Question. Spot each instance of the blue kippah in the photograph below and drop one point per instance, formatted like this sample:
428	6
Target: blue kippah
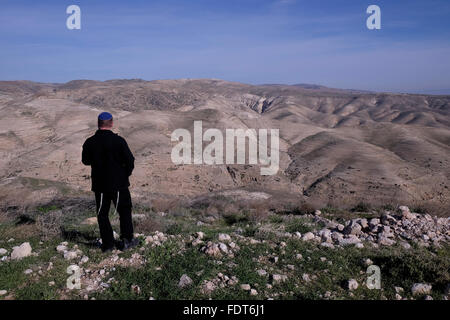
105	116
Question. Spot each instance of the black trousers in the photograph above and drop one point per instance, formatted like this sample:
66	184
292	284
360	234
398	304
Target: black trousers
122	202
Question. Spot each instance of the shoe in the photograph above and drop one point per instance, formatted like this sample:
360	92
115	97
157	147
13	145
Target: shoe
128	244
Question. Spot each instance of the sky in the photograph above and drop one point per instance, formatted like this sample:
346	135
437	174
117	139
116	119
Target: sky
322	42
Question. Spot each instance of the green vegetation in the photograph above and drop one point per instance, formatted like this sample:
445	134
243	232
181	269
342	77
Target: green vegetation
312	271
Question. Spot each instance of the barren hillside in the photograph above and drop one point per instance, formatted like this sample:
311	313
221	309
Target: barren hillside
338	147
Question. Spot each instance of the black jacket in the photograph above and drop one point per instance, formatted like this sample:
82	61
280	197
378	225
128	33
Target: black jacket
110	159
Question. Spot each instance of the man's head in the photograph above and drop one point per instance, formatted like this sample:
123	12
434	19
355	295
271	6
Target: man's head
105	121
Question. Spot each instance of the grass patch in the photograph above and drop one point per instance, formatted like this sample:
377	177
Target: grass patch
298	225
45	209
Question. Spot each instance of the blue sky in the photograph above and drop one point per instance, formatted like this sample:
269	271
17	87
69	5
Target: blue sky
253	41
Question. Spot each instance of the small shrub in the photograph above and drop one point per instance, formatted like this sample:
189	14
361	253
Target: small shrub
419	209
250	231
301	208
45	209
276	219
212	211
49	224
175	229
163	205
388	207
148	225
233	218
24	219
361	207
298	225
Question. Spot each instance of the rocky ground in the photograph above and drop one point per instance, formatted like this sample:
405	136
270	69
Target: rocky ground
190	255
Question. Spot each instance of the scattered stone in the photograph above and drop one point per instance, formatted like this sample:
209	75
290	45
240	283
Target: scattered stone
90	221
22	251
352	228
208	287
406	214
277	278
325	235
398	289
261	272
374	222
211	249
51	283
327	245
70	255
28	271
3	252
3	292
224	237
421	288
136	289
368	262
245	287
185	281
308	236
382	240
223	247
196	242
351	240
61	248
200	235
253	292
352	284
405	245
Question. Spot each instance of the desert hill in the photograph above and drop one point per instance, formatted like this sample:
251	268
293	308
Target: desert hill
338	147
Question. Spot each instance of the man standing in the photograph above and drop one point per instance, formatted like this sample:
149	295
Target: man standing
111	164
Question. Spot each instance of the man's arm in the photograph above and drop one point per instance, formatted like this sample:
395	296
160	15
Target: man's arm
128	158
85	155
